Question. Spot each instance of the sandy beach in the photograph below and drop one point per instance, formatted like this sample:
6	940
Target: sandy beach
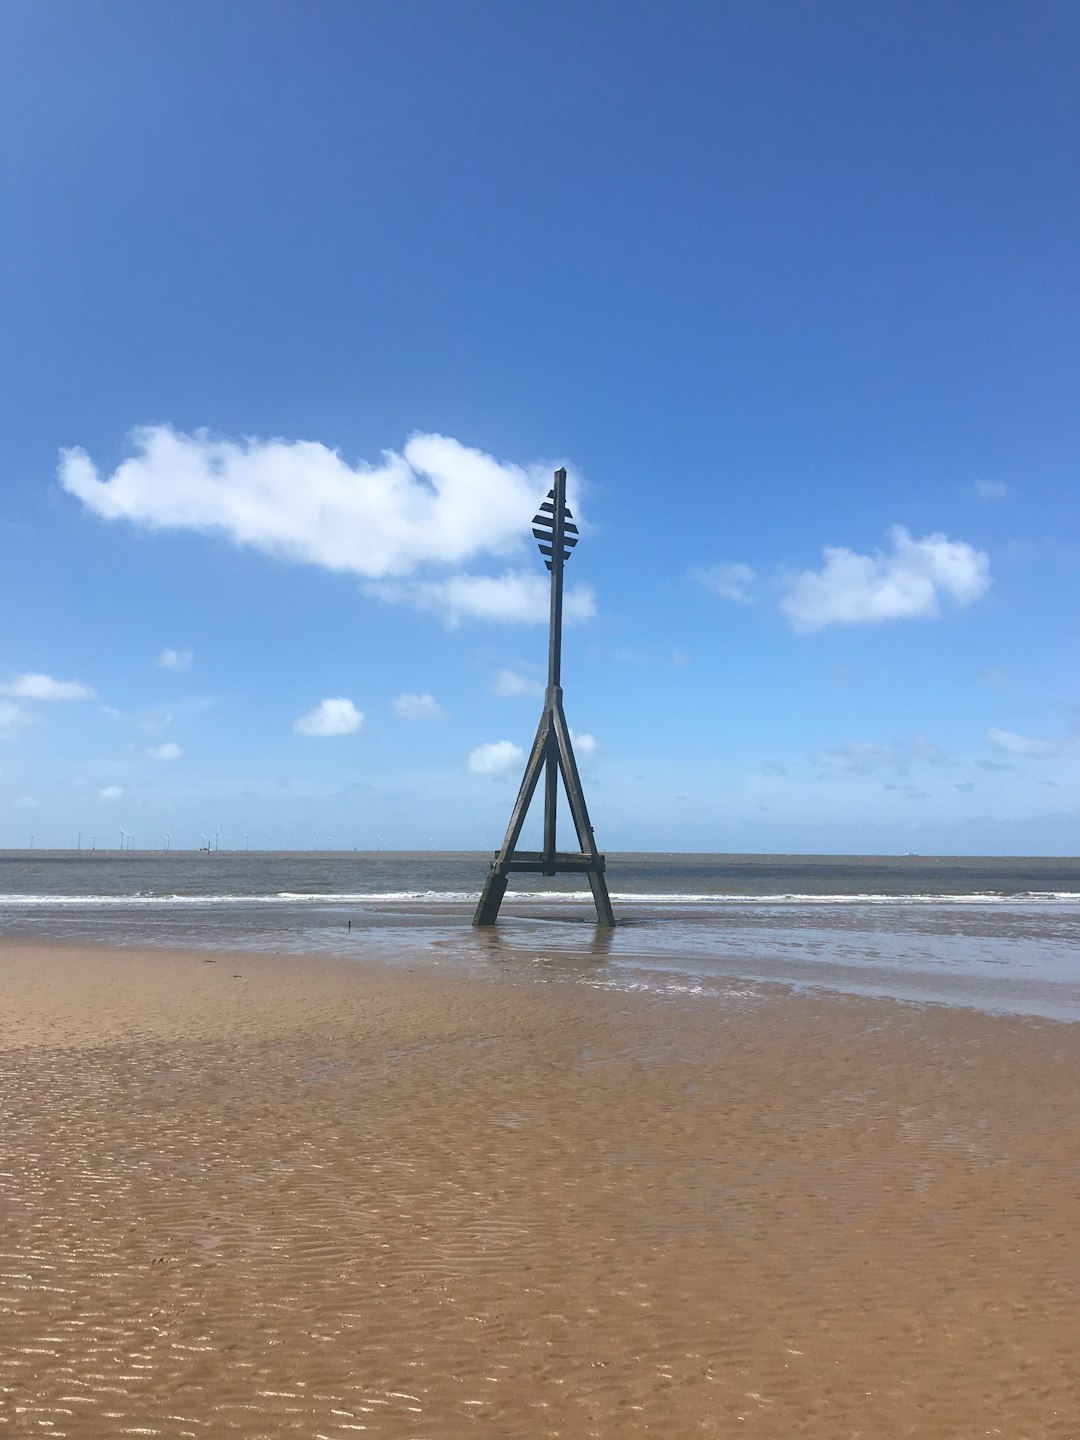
259	1196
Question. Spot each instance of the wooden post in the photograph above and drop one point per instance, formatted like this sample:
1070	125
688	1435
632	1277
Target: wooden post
552	751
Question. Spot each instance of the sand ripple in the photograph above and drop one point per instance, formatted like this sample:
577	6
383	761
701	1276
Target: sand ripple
543	1215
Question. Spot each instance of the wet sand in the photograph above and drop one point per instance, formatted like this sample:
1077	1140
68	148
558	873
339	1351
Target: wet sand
260	1197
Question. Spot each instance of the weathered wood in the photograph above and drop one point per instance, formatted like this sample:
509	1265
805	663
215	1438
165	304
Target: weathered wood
555	565
551	801
568	863
491	897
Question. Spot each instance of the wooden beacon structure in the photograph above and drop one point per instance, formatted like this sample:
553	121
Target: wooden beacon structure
552	753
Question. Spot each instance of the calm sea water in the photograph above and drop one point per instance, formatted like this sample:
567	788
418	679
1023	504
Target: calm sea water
1000	934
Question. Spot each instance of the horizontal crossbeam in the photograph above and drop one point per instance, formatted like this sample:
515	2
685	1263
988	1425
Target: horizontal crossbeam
562	862
545	525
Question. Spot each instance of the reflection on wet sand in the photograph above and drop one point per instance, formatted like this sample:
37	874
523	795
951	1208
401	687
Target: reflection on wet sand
1005	957
564	953
256	1197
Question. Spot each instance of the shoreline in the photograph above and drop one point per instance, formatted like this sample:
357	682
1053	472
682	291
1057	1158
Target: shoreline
269	1196
999	960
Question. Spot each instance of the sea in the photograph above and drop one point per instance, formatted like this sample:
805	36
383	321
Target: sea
998	934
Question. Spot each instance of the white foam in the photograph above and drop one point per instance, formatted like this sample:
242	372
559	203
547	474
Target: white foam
545	897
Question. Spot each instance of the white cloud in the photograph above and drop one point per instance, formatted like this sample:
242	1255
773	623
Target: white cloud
26	802
176	659
990	489
331	717
585	746
730	582
168	751
496	758
908	582
991	676
32	686
12	718
111	792
437	502
510	683
513	598
418	707
1008	742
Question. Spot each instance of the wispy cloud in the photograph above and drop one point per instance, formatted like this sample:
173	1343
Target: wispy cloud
495	758
990	489
516	597
335	716
175	659
12	719
168	751
156	718
418	707
33	686
729	581
511	683
906	582
1009	743
859	757
111	792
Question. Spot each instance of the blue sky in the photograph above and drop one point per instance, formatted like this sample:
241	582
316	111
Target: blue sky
302	304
